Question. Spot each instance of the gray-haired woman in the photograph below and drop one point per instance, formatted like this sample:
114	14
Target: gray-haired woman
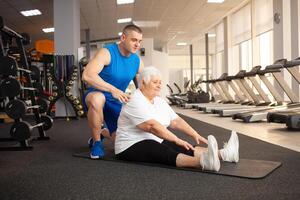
142	134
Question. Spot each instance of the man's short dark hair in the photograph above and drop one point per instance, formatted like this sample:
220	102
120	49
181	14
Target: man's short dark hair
131	27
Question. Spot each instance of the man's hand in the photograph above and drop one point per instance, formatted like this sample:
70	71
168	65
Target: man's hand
120	95
199	139
184	144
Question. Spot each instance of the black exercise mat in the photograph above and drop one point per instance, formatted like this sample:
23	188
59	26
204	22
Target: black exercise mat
245	168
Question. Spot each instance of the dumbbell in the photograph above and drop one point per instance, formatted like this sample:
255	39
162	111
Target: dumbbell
17	108
68	87
72	97
73	78
79	107
80	113
76	101
11	87
21	131
50	98
9	67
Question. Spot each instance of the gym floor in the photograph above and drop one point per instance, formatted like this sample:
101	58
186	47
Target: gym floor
50	171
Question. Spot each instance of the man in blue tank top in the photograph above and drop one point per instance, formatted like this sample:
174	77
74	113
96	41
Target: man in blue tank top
108	74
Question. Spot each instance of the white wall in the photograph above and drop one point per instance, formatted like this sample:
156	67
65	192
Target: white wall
177	64
148	45
160	61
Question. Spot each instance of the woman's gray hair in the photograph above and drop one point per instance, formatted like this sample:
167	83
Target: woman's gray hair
146	74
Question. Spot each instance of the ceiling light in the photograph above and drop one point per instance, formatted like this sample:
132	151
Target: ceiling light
48	30
120	33
124	20
147	23
28	13
181	44
215	1
211	35
119	2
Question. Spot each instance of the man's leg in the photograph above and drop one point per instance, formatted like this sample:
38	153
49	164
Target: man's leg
95	102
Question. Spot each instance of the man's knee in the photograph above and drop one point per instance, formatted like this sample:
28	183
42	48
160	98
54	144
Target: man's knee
95	101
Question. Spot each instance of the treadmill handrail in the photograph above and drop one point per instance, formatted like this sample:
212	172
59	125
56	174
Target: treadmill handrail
268	70
253	72
292	63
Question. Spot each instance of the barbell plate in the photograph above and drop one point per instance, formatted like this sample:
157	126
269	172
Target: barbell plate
47	122
15	109
35	73
43	103
8	66
10	87
20	131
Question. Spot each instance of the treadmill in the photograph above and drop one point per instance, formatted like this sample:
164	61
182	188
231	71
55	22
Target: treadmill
289	117
259	104
248	102
262	114
251	75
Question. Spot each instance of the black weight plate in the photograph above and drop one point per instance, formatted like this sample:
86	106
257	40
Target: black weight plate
8	66
20	131
35	73
43	103
48	121
15	109
10	87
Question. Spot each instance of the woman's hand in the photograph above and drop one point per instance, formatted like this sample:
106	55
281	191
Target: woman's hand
199	139
120	95
184	144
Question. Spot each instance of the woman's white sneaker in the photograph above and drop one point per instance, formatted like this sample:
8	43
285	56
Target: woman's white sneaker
230	152
210	159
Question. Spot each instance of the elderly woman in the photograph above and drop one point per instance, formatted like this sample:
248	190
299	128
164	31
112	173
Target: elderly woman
142	134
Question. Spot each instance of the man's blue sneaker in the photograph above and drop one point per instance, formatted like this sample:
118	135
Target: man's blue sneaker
97	150
91	141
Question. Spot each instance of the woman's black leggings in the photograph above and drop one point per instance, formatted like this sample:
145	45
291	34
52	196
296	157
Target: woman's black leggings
152	151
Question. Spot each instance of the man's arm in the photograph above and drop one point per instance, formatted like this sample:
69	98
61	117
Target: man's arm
94	67
154	127
91	75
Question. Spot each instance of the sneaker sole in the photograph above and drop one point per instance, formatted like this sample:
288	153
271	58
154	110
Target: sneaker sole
213	149
94	157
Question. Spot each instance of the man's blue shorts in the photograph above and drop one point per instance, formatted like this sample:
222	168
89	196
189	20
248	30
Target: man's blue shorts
111	110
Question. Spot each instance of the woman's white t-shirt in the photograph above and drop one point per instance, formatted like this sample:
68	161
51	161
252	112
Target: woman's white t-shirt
138	110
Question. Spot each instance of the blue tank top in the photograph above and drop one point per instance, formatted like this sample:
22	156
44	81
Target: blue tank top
120	71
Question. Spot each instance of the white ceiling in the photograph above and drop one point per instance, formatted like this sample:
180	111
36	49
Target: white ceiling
180	20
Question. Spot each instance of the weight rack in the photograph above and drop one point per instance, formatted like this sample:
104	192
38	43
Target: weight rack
62	83
21	40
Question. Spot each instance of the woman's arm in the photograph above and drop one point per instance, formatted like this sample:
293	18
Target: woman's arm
154	127
181	125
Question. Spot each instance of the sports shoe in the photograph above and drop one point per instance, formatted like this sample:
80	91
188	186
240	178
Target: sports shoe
230	151
210	159
97	150
91	141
